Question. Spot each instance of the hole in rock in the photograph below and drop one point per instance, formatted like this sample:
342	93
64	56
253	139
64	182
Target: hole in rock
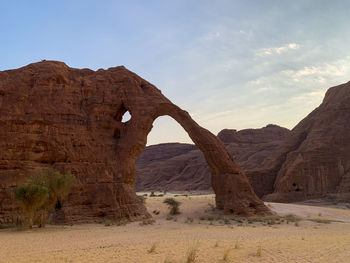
126	117
231	211
58	205
122	115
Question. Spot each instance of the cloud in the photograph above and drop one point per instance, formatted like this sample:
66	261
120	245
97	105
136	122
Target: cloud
277	50
308	77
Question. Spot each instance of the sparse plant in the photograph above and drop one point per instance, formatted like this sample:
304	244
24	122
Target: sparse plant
211	207
292	218
189	220
152	248
237	245
30	199
322	221
226	254
108	222
146	222
156	212
259	251
191	254
173	206
142	199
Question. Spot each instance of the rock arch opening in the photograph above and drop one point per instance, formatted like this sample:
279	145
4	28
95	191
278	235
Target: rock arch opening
171	161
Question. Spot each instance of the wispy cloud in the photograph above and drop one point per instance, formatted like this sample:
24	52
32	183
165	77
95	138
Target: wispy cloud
277	50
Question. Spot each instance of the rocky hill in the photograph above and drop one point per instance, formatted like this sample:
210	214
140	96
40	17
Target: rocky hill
176	166
314	160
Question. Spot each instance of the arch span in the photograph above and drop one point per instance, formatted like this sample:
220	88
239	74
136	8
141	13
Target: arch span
233	191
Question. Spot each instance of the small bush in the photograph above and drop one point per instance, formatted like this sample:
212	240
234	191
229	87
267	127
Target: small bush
322	221
189	220
149	221
39	196
30	199
173	206
292	218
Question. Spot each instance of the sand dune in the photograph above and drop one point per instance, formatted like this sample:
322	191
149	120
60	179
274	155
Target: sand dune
308	241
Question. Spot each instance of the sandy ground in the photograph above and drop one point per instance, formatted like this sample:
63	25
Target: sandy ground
306	241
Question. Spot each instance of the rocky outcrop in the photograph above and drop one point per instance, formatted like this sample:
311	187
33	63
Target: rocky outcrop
314	160
176	166
71	119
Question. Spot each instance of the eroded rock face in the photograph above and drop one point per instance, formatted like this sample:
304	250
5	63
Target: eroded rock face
314	160
175	166
71	119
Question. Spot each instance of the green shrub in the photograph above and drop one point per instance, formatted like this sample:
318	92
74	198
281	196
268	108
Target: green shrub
31	198
38	197
173	206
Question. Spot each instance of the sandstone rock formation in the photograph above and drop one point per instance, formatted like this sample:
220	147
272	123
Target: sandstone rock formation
314	160
71	119
175	166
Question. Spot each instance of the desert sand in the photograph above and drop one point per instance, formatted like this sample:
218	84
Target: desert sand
325	240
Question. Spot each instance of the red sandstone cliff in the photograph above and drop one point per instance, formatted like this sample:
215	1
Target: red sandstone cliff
70	119
314	160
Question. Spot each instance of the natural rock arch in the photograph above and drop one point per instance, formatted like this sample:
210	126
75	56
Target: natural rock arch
79	127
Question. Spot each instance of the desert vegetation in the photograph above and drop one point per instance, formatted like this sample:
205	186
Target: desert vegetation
199	235
174	206
39	196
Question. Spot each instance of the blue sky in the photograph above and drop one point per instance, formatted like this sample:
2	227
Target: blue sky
231	64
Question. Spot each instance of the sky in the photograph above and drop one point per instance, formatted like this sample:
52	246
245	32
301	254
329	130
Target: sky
229	63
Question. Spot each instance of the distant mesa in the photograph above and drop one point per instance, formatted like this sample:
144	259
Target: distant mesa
182	167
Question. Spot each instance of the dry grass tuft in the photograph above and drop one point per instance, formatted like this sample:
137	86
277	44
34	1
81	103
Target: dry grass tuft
191	254
259	252
226	255
153	248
